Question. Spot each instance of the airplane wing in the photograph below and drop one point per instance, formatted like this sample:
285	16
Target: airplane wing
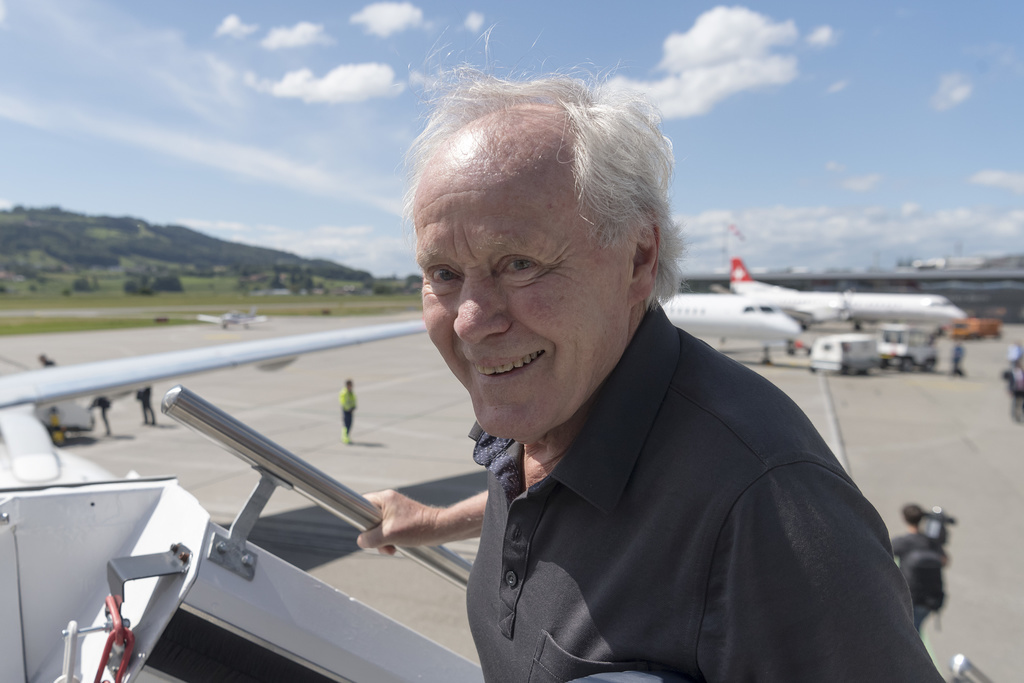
215	319
27	455
123	374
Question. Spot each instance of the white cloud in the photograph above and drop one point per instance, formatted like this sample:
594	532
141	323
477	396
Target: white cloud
345	83
910	209
136	65
6	204
724	35
954	89
233	26
302	34
835	167
823	36
1014	182
474	22
3	11
727	51
829	237
838	86
862	183
385	18
242	160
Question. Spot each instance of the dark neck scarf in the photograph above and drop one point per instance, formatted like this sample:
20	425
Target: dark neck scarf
501	459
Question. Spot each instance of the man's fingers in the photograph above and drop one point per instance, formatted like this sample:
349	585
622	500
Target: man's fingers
371	538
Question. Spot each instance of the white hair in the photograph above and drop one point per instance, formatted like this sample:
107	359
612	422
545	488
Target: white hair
621	162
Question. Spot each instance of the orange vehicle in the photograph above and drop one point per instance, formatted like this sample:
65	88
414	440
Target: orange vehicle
977	328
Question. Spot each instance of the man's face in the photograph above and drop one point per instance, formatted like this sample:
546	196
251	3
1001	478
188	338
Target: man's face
527	310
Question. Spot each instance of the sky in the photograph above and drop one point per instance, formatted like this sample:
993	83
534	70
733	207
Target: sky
830	135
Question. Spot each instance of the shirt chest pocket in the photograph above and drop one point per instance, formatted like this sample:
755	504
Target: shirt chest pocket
552	664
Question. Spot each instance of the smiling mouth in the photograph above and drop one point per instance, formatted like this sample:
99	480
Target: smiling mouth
508	367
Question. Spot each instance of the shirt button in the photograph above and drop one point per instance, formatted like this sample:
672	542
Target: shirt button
511	579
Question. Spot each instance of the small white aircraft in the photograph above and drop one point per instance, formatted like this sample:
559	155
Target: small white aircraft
817	307
234	318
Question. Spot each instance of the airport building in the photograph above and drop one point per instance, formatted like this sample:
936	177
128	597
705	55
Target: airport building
985	288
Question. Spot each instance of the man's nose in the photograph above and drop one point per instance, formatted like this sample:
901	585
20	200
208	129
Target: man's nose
482	311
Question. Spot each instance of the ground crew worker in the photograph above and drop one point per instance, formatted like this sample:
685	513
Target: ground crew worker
347	399
56	428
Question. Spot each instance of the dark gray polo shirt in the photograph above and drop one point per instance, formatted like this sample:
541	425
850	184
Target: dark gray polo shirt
697	524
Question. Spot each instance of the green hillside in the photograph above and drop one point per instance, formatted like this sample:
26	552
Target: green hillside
54	239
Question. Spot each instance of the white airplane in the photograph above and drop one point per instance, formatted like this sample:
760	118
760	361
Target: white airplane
817	307
128	580
234	318
730	316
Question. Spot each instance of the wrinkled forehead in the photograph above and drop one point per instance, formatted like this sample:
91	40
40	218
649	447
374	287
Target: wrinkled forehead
523	148
506	141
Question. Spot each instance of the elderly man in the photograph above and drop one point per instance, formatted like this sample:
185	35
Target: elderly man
652	505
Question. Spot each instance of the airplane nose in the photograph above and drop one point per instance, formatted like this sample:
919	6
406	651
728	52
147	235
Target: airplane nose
789	327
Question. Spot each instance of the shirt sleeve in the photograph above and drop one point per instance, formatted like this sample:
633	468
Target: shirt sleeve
803	587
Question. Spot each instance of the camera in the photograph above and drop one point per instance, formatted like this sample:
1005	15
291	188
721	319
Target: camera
934	525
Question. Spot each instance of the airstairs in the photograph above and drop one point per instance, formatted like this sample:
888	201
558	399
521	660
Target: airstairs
130	581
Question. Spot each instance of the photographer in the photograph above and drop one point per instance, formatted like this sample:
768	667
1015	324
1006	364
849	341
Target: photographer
921	558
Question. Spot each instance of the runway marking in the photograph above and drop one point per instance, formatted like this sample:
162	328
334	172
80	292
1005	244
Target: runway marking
361	389
838	447
950	385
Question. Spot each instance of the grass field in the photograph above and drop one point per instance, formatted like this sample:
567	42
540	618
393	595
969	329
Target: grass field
100	311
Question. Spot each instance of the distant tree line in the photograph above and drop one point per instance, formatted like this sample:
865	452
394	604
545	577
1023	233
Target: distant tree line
143	284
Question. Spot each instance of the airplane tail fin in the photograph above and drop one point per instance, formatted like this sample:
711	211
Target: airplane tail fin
739	272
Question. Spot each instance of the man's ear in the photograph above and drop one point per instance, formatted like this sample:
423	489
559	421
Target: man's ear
645	263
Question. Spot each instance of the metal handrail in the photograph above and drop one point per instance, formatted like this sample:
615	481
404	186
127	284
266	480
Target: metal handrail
964	671
193	411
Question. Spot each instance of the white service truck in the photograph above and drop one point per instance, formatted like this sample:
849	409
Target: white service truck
844	353
906	347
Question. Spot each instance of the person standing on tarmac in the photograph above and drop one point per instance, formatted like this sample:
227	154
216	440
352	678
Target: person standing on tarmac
103	403
921	560
347	399
1015	377
958	358
144	395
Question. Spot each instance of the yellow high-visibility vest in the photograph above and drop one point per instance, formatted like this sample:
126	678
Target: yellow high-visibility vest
347	399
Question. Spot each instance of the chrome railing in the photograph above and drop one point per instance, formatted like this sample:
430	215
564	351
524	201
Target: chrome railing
964	671
265	455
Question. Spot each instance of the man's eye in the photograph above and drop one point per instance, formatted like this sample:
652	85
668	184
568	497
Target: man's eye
442	275
521	264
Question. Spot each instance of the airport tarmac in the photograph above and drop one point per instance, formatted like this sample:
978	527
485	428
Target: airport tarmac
905	437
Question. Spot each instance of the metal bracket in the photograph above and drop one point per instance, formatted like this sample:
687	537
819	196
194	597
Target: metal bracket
230	551
120	570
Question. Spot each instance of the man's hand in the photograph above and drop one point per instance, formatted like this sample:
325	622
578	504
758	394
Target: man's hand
409	523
